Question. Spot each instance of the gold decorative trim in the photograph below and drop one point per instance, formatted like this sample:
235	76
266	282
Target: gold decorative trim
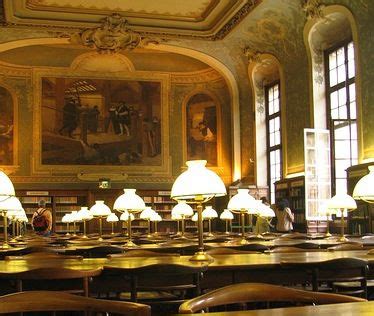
13	70
313	9
201	76
253	56
56	170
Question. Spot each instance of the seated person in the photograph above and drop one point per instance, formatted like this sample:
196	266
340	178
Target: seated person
42	220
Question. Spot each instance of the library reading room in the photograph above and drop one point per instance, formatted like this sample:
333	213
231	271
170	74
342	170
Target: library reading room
170	157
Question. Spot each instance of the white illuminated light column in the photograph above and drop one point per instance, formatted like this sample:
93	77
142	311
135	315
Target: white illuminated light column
100	210
227	216
343	203
183	210
209	213
197	185
242	203
129	202
112	218
6	192
124	218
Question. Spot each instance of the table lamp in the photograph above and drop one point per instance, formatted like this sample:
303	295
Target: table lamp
209	213
9	204
12	215
155	219
147	214
264	213
242	203
124	218
325	211
341	202
227	216
85	215
175	216
183	210
112	218
21	219
75	219
100	210
132	203
6	191
198	185
364	189
67	219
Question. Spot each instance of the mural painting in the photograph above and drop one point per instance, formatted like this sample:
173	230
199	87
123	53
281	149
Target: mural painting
100	122
202	129
6	127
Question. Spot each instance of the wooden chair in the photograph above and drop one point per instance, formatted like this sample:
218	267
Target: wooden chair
347	246
163	286
51	301
46	278
43	256
341	275
259	292
142	253
228	251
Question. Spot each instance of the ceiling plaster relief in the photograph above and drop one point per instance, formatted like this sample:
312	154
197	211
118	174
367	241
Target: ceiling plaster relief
313	9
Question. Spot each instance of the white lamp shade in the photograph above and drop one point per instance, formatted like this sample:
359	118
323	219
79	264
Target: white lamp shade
209	213
75	216
85	214
175	216
112	218
194	217
20	214
100	209
364	189
67	218
23	218
243	201
156	217
226	215
125	216
129	201
197	181
147	213
183	209
6	186
264	210
10	204
341	201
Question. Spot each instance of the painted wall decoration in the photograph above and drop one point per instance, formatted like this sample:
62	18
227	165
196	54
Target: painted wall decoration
6	128
202	129
91	121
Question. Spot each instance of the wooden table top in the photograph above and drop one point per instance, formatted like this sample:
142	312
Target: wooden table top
221	262
343	309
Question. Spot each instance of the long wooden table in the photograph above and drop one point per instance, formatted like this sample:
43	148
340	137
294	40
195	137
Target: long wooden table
344	309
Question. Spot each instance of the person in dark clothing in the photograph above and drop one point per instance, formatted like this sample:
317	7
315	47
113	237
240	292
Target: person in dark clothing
70	118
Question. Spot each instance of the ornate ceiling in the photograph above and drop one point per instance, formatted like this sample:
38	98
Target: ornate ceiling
210	19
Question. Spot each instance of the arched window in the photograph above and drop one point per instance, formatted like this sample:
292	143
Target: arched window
332	51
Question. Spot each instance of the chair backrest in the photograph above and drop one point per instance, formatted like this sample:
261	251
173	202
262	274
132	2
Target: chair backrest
102	251
43	256
228	251
260	292
52	301
251	247
306	245
51	273
287	249
142	253
347	246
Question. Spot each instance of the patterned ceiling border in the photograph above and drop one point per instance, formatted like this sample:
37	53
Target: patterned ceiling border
220	34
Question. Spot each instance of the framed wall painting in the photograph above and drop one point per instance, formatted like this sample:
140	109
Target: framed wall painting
101	123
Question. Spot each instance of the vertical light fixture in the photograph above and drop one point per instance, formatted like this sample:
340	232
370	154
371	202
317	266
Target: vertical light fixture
209	213
147	214
129	202
125	216
8	205
344	203
85	215
67	219
227	216
6	192
100	210
198	185
183	210
242	203
112	218
155	219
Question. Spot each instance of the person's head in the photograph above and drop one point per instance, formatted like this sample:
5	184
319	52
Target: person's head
264	200
282	204
41	203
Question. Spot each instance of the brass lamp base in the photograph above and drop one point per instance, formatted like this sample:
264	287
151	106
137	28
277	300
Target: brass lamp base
130	243
328	235
201	256
5	246
243	241
343	238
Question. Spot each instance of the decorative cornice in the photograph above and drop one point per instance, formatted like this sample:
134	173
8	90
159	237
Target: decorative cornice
206	75
313	9
253	56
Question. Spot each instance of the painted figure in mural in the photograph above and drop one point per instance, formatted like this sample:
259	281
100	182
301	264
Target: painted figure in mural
149	137
123	116
70	118
93	119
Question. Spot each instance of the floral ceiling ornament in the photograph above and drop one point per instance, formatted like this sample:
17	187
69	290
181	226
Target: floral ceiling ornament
313	9
112	36
252	55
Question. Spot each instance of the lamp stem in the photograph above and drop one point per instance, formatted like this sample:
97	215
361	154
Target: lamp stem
210	227
100	229
129	243
149	227
112	228
242	217
227	226
342	237
183	227
74	229
84	229
67	229
328	234
5	243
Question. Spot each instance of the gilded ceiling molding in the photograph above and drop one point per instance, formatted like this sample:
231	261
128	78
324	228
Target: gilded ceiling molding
313	9
253	56
206	75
